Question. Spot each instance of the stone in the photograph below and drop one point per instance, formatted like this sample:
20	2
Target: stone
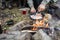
13	32
41	35
23	36
3	36
37	36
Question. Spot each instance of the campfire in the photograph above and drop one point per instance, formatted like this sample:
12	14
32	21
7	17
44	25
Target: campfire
41	23
37	24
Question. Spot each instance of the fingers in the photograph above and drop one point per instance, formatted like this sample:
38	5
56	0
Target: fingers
33	10
41	7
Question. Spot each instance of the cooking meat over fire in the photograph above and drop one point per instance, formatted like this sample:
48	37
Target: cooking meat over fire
41	22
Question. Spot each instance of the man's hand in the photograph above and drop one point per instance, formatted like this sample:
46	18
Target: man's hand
41	7
33	9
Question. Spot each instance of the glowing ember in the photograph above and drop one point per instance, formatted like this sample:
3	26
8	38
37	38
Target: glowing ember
34	28
41	23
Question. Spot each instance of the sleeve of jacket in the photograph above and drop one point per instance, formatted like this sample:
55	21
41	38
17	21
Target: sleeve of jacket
30	3
45	2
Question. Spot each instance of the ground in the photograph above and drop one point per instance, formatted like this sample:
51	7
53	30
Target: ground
17	13
14	14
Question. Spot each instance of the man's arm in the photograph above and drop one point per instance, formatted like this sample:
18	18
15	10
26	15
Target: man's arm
42	7
45	2
30	2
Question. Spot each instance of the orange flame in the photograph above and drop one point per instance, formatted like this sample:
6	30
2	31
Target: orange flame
47	25
40	23
34	28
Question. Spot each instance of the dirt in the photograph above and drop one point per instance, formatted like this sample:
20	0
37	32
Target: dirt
14	14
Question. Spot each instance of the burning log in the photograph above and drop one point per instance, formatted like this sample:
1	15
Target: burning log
40	23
